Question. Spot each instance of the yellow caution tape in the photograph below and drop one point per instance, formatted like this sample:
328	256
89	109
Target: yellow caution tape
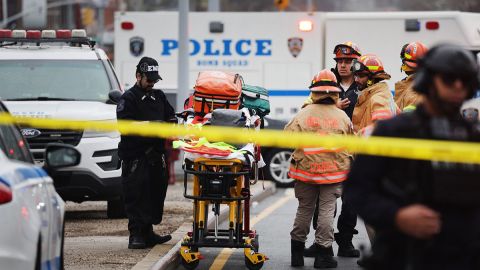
381	146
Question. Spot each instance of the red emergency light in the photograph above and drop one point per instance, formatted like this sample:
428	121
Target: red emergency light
34	34
64	33
5	33
127	25
432	25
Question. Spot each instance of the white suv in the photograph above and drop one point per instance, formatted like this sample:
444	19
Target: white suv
60	74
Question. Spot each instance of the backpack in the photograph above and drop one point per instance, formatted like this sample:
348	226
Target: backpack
216	89
256	98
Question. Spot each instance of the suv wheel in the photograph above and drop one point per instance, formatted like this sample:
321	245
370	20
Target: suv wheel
116	208
278	164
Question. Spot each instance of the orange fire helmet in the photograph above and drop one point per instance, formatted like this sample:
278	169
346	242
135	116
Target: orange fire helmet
371	65
347	50
324	81
410	54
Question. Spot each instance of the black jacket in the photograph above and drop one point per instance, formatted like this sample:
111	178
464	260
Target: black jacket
351	93
136	104
378	186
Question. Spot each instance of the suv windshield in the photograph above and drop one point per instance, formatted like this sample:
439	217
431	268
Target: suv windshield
54	79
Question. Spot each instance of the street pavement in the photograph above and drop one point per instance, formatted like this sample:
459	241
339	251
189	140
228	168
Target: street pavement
273	219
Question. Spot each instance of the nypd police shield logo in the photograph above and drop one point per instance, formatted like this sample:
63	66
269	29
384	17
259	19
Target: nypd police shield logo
295	45
136	46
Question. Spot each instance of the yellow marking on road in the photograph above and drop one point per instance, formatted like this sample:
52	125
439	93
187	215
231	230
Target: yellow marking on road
225	254
221	259
267	211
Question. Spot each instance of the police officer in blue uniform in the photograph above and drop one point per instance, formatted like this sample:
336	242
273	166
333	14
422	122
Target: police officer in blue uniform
144	168
426	214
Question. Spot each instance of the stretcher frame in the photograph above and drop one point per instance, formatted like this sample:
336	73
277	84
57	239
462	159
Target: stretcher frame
231	179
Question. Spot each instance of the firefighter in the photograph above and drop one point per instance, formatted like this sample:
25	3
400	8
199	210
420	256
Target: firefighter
319	171
426	214
344	53
405	97
375	102
144	167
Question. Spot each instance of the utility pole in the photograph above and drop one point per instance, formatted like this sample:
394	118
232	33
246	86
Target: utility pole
310	6
70	17
214	5
183	76
101	25
5	12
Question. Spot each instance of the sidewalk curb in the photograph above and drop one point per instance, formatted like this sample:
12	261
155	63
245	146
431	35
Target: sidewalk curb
172	258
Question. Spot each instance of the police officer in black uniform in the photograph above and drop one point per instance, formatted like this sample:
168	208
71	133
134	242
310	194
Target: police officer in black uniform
426	214
144	168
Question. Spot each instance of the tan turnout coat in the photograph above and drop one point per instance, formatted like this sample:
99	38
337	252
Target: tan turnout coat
404	93
319	165
374	103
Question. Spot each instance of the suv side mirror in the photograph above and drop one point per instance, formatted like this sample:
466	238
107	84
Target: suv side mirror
60	155
114	96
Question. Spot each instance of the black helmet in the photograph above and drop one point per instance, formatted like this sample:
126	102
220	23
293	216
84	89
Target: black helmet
447	60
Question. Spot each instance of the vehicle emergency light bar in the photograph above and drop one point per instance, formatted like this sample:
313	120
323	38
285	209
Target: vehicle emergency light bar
74	37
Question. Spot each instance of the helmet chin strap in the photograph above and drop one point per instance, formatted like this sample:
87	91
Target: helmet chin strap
370	80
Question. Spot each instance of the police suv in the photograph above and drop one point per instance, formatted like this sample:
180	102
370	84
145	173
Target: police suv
60	74
31	231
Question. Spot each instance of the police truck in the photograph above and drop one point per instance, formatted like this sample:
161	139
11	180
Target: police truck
280	51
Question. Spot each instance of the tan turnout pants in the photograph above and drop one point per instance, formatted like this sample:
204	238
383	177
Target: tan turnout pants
307	195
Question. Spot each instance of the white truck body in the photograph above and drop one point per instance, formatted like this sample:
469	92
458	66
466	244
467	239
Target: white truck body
256	45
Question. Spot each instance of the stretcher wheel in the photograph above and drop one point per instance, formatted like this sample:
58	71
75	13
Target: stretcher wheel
192	265
252	266
255	245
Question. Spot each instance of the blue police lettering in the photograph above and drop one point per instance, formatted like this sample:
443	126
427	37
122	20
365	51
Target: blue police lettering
225	47
207	63
208	48
168	45
196	47
235	63
239	47
262	48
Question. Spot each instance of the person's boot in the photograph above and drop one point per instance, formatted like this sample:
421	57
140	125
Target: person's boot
152	239
297	248
155	239
310	251
136	241
345	246
324	258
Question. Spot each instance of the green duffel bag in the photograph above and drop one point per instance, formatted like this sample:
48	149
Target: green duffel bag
256	98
